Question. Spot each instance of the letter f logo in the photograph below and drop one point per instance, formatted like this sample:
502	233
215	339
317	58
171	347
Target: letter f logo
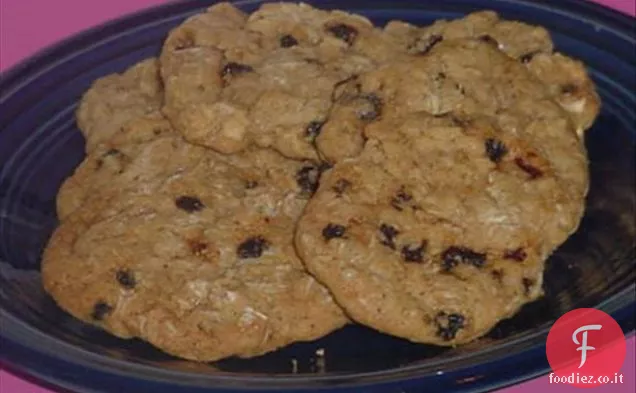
584	348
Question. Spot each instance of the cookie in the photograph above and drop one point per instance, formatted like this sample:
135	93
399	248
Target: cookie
114	101
440	227
234	80
198	259
566	78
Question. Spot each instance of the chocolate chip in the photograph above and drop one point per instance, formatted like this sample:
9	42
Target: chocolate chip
414	253
527	58
495	149
372	108
308	179
344	32
232	69
449	324
527	285
287	41
251	184
532	171
518	254
189	203
388	235
489	40
332	231
341	186
400	199
252	247
313	129
440	76
100	310
430	43
126	278
569	88
454	255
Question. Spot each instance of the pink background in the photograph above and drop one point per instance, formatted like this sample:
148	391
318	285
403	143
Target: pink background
56	19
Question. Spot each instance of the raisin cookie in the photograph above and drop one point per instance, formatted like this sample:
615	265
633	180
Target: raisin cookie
118	101
234	80
199	261
440	227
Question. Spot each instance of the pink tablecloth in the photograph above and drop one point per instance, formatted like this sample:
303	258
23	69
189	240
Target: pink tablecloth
28	25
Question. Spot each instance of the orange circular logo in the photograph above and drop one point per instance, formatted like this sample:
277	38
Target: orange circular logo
586	348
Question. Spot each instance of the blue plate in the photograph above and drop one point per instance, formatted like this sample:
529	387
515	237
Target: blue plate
40	146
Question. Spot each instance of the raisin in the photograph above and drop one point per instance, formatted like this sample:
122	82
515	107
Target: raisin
252	247
189	203
313	129
100	310
532	171
251	184
372	108
414	254
495	149
332	231
344	32
453	256
308	178
497	275
198	248
449	324
400	198
287	41
233	69
489	40
432	41
388	235
569	88
126	278
527	58
518	254
527	285
111	152
341	186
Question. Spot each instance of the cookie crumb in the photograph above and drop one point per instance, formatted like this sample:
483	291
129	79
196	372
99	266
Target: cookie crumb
294	363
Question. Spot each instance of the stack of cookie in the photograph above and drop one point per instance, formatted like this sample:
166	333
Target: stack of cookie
272	177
